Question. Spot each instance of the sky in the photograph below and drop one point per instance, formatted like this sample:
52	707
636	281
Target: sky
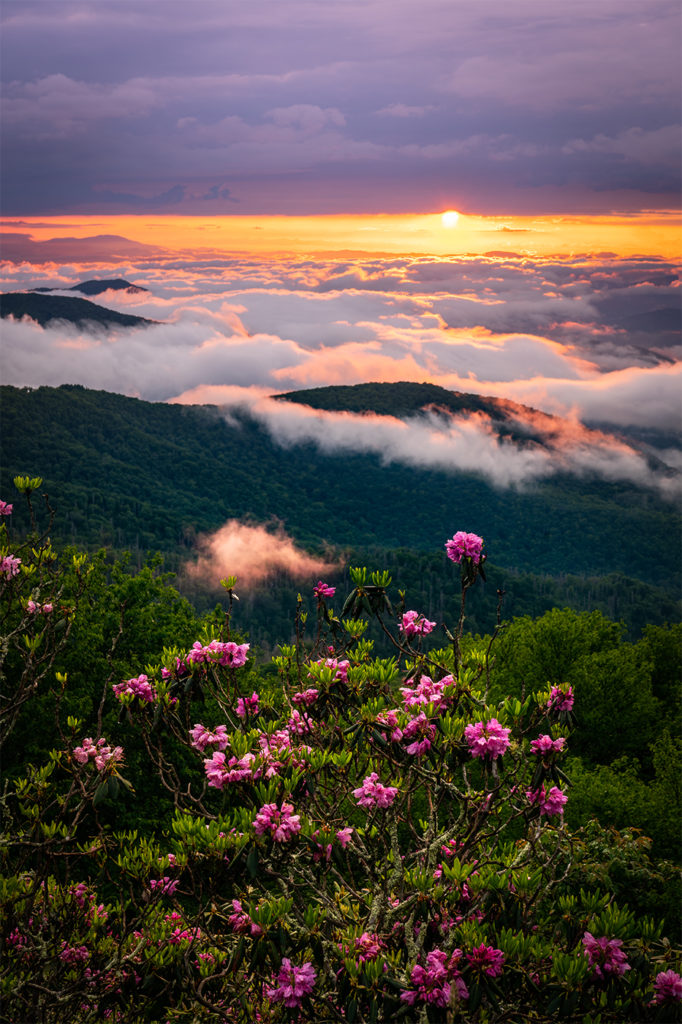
276	175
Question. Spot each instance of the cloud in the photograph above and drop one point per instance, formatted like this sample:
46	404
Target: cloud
253	554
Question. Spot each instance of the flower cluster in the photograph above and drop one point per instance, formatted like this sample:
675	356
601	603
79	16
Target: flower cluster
202	737
668	987
163	886
9	566
427	691
39	609
421	732
413	623
487	739
340	667
240	922
6	509
431	984
560	698
605	956
74	955
323	590
248	706
373	793
281	823
225	653
136	687
220	771
306	697
464	545
486	960
99	752
545	745
293	984
550	802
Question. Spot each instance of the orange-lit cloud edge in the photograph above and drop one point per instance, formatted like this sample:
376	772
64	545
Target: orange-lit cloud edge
644	233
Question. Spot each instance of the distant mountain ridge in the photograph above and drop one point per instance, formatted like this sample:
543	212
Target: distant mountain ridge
95	286
47	308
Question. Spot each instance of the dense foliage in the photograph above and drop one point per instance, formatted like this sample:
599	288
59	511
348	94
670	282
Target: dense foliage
332	836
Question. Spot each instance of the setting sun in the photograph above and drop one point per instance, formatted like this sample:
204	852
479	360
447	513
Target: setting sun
450	218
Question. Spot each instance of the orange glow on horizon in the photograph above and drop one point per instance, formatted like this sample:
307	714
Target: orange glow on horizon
648	233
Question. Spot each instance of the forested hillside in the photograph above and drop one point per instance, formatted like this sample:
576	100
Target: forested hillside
128	474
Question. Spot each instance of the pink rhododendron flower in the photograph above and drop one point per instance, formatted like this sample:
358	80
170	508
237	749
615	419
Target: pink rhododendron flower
9	566
421	732
281	823
550	802
136	687
227	654
74	955
298	724
546	745
241	922
432	983
668	987
606	958
486	960
219	771
5	509
202	737
560	698
324	590
305	698
373	793
464	545
100	753
294	984
165	886
487	739
427	692
343	836
413	623
340	667
368	946
248	706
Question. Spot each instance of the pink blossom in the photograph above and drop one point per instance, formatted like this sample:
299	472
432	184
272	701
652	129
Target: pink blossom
136	687
227	654
298	724
5	509
100	753
74	955
47	608
487	739
421	732
550	803
165	886
202	737
343	836
281	823
427	692
294	984
668	987
219	772
241	922
323	590
306	697
369	946
9	566
248	706
432	983
560	698
373	793
606	958
546	745
486	960
414	623
464	545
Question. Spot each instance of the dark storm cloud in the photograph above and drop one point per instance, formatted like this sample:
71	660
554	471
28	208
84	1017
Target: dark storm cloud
356	106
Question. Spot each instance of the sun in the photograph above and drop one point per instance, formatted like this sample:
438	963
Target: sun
450	218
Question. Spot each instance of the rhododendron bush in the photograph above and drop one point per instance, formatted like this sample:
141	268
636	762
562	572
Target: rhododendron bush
355	839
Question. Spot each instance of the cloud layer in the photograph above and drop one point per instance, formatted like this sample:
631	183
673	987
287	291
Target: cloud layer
506	106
